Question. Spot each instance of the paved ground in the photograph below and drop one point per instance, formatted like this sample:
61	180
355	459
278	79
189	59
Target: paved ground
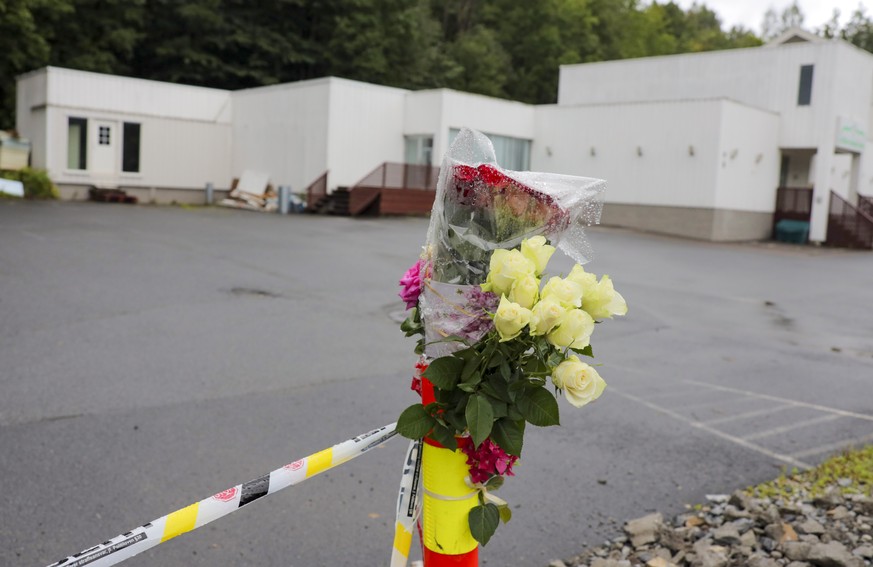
150	357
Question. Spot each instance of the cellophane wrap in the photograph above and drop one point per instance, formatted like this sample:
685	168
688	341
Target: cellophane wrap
480	207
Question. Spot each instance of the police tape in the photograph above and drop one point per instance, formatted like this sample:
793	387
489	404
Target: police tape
408	505
201	513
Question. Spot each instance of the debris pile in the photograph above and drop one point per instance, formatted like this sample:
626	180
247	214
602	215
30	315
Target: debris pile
253	192
796	529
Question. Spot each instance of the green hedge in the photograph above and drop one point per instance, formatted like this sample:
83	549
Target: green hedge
37	184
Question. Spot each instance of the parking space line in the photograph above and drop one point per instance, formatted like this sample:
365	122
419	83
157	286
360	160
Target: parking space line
748	414
795	403
833	446
793	426
792	460
713	403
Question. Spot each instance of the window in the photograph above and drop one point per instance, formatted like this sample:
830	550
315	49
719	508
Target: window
418	149
804	93
77	143
512	153
130	147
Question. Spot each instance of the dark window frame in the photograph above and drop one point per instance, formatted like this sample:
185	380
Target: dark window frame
804	89
131	139
83	139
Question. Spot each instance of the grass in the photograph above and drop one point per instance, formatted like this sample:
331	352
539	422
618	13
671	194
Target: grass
850	471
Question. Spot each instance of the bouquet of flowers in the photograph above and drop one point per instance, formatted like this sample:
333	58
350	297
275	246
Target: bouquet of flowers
495	329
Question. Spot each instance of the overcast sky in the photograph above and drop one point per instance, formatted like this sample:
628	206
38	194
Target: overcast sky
750	13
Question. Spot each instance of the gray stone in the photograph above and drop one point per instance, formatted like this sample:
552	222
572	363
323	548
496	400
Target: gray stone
839	513
557	563
811	527
710	556
797	550
740	500
726	535
759	560
644	530
798	564
833	554
601	562
749	539
865	551
831	497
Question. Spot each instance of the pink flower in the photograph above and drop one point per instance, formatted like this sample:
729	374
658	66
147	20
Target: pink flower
411	282
487	460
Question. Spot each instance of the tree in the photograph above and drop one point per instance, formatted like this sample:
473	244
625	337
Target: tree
22	47
859	30
775	24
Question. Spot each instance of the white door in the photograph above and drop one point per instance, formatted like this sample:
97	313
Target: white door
104	147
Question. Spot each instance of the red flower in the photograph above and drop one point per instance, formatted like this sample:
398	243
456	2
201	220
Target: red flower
492	176
465	173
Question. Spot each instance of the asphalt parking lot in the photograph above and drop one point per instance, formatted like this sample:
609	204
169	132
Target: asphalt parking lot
152	356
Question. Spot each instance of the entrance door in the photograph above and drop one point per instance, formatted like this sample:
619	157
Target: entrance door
104	147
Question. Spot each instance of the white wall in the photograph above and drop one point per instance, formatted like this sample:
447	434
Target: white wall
30	113
865	177
748	158
665	174
177	154
764	77
126	95
282	130
438	111
365	129
184	137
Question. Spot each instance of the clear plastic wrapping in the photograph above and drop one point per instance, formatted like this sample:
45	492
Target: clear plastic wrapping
479	208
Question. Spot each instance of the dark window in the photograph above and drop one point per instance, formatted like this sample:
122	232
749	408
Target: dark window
804	93
77	143
130	148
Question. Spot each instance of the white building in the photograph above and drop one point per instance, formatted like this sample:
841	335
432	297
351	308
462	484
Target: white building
692	144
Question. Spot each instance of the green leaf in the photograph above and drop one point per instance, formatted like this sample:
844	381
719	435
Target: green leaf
505	513
494	482
505	371
445	437
480	418
540	408
508	435
483	522
498	408
587	351
470	366
415	422
444	372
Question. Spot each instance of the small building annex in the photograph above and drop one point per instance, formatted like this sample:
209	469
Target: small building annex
708	145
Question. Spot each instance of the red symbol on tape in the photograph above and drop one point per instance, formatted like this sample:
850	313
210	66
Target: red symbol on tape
226	495
295	466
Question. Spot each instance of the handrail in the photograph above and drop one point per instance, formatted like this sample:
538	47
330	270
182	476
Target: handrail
865	205
390	175
316	190
855	227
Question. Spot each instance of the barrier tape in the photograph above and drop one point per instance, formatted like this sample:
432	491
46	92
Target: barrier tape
408	505
163	529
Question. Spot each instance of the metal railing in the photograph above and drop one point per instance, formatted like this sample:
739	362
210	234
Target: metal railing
316	191
848	227
401	176
865	205
793	203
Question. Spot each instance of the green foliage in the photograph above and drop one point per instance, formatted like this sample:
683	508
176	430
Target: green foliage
37	184
483	520
851	471
499	48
